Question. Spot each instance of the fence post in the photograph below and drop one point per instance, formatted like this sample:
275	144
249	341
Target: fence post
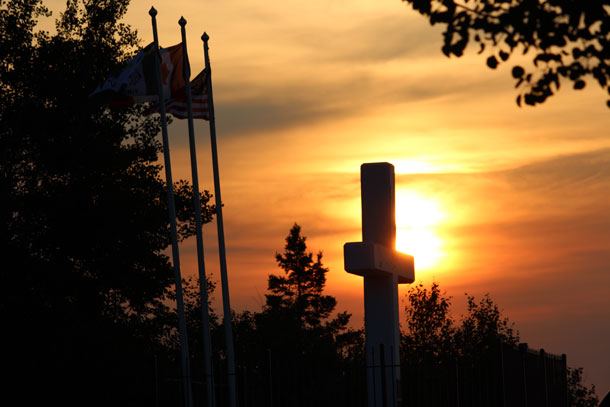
502	377
156	360
371	372
270	378
457	382
523	350
244	386
362	382
564	361
395	386
546	384
384	393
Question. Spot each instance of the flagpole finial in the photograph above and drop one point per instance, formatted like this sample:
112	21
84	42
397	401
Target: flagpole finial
182	22
205	37
152	12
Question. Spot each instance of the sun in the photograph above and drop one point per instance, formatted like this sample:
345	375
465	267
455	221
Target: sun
417	221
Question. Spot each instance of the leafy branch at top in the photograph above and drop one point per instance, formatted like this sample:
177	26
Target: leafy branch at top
568	40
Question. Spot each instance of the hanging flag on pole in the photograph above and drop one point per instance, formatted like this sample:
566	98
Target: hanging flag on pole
157	74
165	67
137	83
178	106
195	91
226	305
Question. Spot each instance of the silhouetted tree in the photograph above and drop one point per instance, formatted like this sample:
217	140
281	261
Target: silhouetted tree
192	310
564	39
483	327
296	338
296	305
84	210
300	289
430	330
432	337
579	394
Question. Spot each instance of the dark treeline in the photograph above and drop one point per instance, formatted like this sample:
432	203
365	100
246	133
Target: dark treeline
85	280
298	351
86	286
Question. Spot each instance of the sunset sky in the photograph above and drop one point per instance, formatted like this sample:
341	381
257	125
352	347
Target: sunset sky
491	198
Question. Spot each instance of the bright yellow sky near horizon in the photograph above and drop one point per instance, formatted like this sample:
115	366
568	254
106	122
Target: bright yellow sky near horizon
491	198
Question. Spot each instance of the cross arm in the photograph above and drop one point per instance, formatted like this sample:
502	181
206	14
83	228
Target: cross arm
371	259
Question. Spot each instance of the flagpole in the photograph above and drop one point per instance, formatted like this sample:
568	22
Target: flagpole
188	398
205	319
226	306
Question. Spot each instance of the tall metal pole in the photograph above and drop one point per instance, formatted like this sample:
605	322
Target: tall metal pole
186	371
205	319
226	306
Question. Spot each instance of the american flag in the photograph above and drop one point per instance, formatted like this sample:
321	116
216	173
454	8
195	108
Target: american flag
177	105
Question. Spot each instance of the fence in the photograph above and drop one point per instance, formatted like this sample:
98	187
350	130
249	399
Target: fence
503	377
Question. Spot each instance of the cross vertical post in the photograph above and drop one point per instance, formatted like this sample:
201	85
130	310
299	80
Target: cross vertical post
383	268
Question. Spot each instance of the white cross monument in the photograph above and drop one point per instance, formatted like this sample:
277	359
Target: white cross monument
383	268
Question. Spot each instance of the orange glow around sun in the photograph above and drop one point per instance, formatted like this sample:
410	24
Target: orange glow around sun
417	220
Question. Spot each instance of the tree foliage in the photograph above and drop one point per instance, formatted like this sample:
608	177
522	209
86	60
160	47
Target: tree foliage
295	337
579	394
483	327
565	40
84	206
193	316
297	311
432	333
300	289
430	330
433	336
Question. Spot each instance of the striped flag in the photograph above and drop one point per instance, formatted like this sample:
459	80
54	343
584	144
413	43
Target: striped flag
177	105
138	83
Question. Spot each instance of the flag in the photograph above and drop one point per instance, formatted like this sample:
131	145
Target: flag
138	82
177	105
